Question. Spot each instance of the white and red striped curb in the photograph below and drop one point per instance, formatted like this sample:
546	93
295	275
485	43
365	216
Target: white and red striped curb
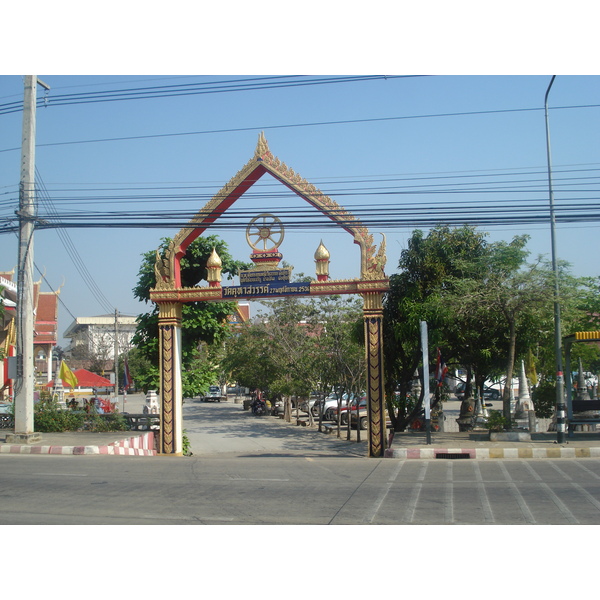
142	445
492	453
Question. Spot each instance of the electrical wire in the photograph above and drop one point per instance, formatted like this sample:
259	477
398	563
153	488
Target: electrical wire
295	125
209	87
72	252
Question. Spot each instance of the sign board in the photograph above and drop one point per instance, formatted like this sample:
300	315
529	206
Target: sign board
264	290
258	277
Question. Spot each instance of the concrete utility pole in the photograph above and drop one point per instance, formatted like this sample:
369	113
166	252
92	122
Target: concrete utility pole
117	357
426	399
25	383
560	381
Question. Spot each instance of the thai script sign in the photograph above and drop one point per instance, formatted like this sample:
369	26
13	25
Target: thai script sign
265	276
266	289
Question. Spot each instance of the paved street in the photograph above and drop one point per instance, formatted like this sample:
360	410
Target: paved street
296	490
249	470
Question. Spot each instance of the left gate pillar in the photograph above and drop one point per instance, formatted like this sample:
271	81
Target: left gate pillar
171	397
373	316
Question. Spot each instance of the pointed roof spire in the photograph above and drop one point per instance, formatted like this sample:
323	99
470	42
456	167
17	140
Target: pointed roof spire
262	147
214	260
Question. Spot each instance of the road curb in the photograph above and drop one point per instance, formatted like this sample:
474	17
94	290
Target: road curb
141	445
491	453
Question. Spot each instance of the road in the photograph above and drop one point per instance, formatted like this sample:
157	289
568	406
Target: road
252	470
99	490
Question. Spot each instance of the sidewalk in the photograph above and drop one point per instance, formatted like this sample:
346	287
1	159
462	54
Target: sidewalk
477	445
237	429
118	443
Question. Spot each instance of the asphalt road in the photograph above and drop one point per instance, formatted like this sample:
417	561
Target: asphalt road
109	490
249	470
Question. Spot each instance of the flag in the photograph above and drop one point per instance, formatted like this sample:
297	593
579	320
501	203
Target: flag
127	381
441	369
68	377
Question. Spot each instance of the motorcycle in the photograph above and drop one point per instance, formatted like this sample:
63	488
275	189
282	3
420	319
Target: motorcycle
258	407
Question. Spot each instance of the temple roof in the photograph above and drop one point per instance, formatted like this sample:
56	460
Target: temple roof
45	309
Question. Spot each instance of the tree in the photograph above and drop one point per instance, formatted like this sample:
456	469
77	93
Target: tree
202	322
510	294
339	360
275	354
299	346
428	267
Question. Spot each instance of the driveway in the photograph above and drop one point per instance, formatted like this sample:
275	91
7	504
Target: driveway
226	429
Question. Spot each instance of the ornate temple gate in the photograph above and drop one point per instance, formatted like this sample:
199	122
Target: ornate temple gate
170	295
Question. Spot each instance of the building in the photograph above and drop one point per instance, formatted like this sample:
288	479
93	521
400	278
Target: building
241	315
45	331
94	337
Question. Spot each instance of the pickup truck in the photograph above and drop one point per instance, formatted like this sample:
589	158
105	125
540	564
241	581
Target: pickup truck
214	395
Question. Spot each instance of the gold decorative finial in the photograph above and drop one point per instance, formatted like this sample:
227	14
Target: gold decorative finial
213	268
322	253
322	261
214	260
262	147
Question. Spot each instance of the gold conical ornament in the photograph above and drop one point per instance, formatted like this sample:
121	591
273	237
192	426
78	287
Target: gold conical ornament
213	267
322	261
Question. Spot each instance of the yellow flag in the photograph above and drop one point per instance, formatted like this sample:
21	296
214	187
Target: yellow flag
69	378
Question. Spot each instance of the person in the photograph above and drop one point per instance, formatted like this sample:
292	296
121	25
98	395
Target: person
257	406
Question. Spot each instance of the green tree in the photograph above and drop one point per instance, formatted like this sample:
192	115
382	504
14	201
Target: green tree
202	322
298	346
428	267
339	359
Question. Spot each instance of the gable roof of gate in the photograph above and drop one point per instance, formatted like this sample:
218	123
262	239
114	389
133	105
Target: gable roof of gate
263	161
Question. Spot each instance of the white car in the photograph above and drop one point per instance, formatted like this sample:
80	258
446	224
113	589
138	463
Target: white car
330	404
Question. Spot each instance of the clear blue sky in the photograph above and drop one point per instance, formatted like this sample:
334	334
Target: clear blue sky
348	161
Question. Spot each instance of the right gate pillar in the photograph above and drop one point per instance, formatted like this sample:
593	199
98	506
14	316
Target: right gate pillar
373	316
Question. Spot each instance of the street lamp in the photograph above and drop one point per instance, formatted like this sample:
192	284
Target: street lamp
560	391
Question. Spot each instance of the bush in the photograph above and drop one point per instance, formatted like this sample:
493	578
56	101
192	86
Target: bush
48	417
497	421
544	399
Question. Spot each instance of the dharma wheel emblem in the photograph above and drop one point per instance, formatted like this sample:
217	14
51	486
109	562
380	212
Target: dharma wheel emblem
262	229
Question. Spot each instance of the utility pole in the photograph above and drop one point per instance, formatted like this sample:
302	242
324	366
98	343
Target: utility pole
117	356
25	383
560	381
426	399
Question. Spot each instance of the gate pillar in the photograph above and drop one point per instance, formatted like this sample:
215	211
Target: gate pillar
171	397
373	316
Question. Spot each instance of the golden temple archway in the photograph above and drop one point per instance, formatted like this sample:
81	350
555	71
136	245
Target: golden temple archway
170	295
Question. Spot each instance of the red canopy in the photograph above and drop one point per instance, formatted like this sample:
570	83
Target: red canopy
87	379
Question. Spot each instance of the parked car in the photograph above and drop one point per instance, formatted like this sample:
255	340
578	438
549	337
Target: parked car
491	391
309	404
330	404
359	417
357	402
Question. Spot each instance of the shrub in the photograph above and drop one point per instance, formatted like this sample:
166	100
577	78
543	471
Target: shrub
544	399
497	421
48	417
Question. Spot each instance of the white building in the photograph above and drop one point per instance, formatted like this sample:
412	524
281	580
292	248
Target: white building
95	336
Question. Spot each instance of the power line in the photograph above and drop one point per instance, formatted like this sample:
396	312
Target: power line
72	252
189	89
295	125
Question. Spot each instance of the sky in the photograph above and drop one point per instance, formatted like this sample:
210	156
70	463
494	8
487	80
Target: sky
471	141
478	57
